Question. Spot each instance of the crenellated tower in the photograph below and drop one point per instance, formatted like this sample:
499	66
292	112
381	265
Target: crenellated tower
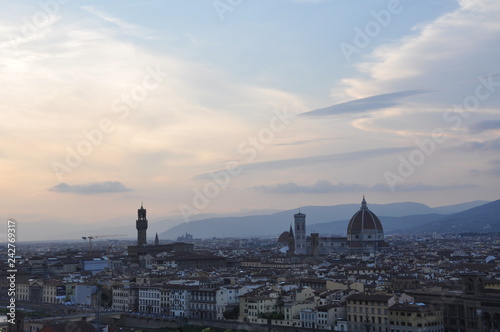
141	225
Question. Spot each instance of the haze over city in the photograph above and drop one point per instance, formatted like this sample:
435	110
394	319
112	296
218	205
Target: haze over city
208	107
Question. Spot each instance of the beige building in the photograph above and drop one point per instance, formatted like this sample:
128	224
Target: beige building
370	312
411	317
125	297
253	306
41	291
23	291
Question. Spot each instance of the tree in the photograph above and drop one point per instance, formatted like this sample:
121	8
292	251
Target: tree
231	313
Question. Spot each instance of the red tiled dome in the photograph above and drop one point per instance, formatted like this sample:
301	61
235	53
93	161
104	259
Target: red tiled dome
364	222
284	237
364	219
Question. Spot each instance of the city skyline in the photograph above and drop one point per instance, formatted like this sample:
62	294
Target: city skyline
229	107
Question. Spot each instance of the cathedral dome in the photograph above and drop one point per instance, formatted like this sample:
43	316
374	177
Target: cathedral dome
364	226
284	237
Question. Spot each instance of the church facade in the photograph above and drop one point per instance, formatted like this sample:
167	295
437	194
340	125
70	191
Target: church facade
365	235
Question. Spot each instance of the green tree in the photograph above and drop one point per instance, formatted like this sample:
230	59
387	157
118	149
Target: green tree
231	313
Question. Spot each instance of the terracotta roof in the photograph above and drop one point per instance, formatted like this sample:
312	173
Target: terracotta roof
364	219
411	307
284	237
370	297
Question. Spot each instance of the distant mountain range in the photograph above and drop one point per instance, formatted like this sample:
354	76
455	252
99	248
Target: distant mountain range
405	217
484	218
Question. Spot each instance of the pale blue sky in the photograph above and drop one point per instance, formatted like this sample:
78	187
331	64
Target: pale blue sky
206	82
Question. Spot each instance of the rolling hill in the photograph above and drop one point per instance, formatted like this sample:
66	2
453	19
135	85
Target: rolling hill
396	217
481	219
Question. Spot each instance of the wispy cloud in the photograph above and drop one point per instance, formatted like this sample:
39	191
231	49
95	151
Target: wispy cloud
91	188
125	27
493	169
324	187
405	64
493	144
314	160
308	141
368	104
484	126
320	187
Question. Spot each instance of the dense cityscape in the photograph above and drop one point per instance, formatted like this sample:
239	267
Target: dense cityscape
366	281
250	166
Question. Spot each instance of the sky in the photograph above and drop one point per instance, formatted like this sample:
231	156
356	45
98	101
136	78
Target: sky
233	106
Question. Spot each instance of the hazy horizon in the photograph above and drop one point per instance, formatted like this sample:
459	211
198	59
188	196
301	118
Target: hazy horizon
125	226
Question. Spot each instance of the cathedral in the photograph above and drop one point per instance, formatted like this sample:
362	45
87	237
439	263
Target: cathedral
365	235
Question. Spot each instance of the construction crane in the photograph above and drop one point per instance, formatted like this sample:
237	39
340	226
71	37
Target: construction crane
91	237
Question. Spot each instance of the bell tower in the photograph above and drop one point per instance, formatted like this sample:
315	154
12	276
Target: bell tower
300	233
142	225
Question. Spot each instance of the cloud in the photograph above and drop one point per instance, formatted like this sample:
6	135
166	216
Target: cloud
485	145
484	125
422	59
409	187
125	27
377	102
313	160
495	171
308	141
491	171
324	187
320	187
91	188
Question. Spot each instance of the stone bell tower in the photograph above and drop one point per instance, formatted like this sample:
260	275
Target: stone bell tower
141	225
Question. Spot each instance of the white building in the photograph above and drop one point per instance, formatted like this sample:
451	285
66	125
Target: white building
95	265
82	294
179	300
228	296
149	300
328	317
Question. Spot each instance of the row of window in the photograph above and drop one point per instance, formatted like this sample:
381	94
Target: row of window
403	323
367	310
425	314
362	318
436	330
365	302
